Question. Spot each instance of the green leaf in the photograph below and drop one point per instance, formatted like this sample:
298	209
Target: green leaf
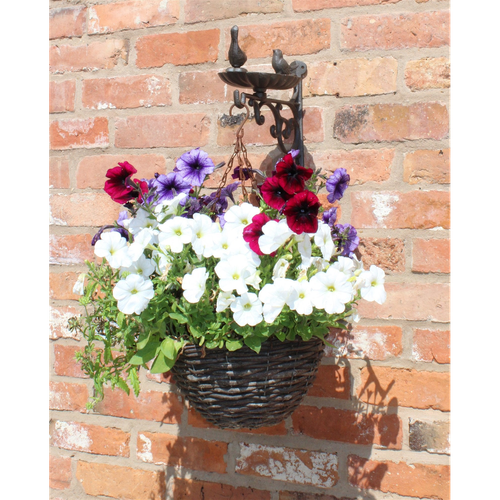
181	319
254	343
146	354
233	345
168	348
162	364
134	380
123	385
143	341
280	335
120	318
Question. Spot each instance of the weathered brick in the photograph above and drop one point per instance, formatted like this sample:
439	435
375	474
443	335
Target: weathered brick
307	5
62	96
431	256
125	483
299	495
170	131
396	31
59	472
58	322
196	11
362	165
203	87
396	210
59	172
291	465
122	92
157	406
95	439
189	489
386	253
432	437
352	77
61	285
348	426
332	381
132	15
67	22
412	302
91	170
307	36
428	73
391	122
70	249
192	47
66	396
79	133
407	479
65	363
91	57
431	345
427	167
381	385
190	452
83	209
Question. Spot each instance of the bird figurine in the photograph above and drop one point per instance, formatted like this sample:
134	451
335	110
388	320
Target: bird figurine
236	56
280	66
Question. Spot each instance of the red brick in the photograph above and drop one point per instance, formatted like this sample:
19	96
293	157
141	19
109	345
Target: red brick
203	87
199	10
122	92
332	381
59	472
431	345
180	49
157	406
79	133
190	452
362	165
307	36
396	31
65	363
428	73
380	385
78	436
313	468
411	302
407	479
59	172
188	489
67	22
352	77
386	253
69	249
431	256
91	170
91	57
427	167
132	15
62	96
432	437
348	426
125	483
155	131
84	209
391	122
58	322
396	210
377	343
69	397
61	285
307	5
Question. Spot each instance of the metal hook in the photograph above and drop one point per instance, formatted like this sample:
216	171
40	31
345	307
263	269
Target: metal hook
239	132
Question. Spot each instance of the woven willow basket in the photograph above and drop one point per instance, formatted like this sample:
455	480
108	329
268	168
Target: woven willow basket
243	389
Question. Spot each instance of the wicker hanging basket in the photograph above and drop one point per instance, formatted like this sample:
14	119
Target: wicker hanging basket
243	389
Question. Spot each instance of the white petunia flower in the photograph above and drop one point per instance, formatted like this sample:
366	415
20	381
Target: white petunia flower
305	249
247	309
344	265
280	269
133	294
301	298
175	233
142	266
239	216
113	247
323	239
204	230
79	288
224	300
330	290
372	287
167	208
274	296
225	244
194	285
142	220
274	234
142	239
233	274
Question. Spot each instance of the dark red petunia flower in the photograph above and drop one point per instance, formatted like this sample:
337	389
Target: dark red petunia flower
291	177
301	212
117	186
253	231
143	189
274	195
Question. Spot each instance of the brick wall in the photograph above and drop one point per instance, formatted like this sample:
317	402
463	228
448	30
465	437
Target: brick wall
137	81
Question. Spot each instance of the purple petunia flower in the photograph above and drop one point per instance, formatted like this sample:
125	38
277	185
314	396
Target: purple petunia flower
336	184
347	237
194	166
169	186
330	216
